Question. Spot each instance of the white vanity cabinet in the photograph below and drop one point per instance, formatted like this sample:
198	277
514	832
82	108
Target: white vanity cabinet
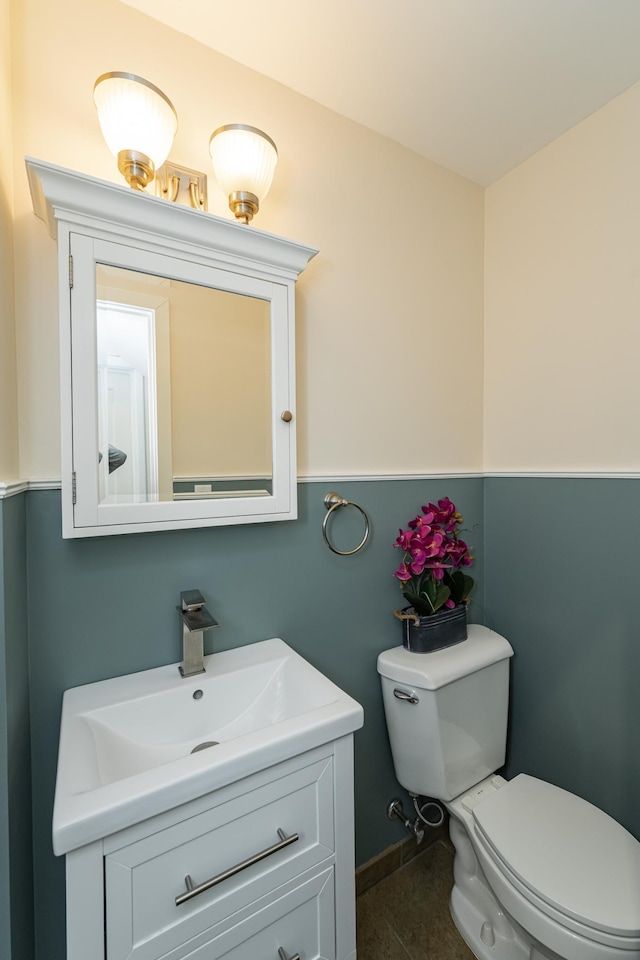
270	865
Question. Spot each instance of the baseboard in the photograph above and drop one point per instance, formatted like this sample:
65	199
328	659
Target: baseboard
394	857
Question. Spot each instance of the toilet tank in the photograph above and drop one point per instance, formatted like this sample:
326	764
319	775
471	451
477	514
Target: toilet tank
446	712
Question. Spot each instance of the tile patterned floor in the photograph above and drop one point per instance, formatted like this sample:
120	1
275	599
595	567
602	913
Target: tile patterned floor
406	915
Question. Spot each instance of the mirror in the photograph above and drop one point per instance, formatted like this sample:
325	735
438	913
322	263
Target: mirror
184	390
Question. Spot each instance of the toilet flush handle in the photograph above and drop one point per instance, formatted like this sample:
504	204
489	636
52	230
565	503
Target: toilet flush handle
403	695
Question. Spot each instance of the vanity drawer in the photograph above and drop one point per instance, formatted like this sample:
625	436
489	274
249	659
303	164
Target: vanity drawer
144	878
298	923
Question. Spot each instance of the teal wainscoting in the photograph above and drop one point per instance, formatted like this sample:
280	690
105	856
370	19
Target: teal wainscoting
16	874
105	606
5	882
562	562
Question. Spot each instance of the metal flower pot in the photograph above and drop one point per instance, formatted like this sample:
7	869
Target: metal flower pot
440	630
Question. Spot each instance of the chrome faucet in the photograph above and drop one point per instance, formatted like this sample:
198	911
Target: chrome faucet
195	620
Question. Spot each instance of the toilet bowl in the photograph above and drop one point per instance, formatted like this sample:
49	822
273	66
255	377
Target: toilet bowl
566	876
539	874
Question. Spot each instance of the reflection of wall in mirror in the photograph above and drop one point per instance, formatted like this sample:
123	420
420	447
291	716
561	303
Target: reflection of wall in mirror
220	384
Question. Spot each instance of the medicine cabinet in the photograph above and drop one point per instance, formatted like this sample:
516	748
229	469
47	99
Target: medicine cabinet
176	357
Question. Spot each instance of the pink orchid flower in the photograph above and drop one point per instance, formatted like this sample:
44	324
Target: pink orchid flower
402	573
431	548
437	568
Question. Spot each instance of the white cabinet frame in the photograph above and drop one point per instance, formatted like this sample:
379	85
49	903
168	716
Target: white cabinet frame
95	221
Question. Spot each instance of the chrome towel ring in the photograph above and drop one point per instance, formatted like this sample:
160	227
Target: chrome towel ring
332	501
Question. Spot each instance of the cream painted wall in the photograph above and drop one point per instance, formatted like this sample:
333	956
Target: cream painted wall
562	299
8	397
390	348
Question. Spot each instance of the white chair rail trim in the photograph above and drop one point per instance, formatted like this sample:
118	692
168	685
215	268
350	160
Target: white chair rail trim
550	474
10	488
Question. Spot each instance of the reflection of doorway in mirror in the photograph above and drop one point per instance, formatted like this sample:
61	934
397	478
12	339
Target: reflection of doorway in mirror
127	403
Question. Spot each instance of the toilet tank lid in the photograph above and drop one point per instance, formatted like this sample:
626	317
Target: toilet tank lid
430	671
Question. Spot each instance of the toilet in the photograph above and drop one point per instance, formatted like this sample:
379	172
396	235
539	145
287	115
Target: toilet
539	874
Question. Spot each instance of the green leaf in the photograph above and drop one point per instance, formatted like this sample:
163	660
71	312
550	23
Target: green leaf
431	596
437	593
460	584
420	605
442	594
455	583
468	586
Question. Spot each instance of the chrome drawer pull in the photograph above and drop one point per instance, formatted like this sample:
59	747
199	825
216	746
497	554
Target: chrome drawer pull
192	891
282	953
402	695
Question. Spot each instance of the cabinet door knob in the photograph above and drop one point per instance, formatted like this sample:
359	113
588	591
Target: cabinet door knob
287	416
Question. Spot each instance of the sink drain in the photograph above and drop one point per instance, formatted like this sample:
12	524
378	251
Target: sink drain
205	745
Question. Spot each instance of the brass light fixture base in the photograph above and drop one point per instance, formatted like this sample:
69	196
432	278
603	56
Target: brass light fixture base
182	185
137	169
245	205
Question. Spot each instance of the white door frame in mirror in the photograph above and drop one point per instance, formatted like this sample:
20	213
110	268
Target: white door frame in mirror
117	376
98	222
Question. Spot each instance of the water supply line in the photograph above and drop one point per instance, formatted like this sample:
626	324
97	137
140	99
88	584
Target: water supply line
395	812
429	812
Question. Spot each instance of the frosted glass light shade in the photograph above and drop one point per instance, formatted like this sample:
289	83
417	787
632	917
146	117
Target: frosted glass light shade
244	160
135	116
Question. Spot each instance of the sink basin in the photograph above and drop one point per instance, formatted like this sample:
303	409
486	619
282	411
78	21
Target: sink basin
137	745
154	726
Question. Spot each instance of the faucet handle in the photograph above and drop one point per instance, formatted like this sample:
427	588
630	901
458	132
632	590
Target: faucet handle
195	615
191	600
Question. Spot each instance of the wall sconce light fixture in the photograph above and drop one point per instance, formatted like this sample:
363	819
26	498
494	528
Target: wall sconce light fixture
138	123
244	160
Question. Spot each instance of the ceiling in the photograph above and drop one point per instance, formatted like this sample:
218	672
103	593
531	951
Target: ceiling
475	85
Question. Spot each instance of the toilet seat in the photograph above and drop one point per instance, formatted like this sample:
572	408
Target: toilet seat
566	857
